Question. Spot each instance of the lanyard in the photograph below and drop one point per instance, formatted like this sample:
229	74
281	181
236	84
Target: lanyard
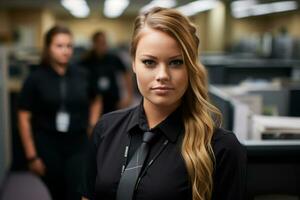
63	92
164	145
151	162
126	155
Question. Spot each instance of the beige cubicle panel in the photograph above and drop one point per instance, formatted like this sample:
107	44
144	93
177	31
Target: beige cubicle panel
5	152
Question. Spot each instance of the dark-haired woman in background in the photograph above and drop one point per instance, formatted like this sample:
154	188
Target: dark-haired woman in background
57	109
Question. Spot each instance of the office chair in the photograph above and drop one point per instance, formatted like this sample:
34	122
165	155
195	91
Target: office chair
25	186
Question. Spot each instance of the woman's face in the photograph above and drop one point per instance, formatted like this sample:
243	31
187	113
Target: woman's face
100	45
161	74
61	49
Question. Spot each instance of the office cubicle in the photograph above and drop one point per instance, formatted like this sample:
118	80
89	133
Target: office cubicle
273	169
5	157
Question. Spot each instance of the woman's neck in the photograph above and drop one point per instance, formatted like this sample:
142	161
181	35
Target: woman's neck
156	114
60	69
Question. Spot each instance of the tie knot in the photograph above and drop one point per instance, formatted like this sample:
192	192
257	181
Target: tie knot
148	137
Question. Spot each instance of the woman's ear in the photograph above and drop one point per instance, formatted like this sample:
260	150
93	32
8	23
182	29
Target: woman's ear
133	66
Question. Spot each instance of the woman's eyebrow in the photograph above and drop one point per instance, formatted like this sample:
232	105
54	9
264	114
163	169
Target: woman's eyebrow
148	55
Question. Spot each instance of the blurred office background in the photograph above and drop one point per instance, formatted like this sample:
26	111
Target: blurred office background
251	49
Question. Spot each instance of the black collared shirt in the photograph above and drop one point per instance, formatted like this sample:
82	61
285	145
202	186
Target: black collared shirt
167	177
104	72
41	95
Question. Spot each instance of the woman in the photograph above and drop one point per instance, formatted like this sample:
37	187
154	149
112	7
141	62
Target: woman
191	157
53	116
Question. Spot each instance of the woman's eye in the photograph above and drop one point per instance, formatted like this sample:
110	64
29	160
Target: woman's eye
148	63
176	63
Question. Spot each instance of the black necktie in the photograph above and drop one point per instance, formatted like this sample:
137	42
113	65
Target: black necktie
132	171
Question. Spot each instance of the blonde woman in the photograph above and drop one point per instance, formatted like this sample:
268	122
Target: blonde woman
190	157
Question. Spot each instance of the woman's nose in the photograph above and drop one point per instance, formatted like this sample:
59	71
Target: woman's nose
163	73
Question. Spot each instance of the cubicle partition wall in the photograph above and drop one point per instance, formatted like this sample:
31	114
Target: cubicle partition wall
275	100
294	102
234	113
223	103
5	151
234	70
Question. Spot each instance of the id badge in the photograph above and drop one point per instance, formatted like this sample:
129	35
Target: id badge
103	83
62	121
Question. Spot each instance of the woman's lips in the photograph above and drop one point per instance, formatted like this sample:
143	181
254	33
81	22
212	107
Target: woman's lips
161	90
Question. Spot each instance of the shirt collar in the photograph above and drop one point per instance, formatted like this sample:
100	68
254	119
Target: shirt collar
134	120
171	127
48	67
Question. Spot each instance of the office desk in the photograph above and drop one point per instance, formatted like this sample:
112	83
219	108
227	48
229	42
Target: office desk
274	125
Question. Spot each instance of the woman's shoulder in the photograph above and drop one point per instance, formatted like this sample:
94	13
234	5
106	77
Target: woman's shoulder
115	119
230	165
226	142
37	74
224	136
118	115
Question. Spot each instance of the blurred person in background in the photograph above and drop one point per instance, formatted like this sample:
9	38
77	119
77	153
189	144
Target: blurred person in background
105	69
56	114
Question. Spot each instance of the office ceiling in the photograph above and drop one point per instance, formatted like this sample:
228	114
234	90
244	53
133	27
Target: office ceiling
96	6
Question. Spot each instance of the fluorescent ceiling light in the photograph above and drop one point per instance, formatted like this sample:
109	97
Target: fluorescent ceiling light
115	8
160	3
197	6
285	6
243	3
239	9
77	8
261	9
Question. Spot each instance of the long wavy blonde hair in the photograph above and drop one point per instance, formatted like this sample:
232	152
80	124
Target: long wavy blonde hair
199	116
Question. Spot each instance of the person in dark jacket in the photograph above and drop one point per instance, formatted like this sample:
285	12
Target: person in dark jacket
106	68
